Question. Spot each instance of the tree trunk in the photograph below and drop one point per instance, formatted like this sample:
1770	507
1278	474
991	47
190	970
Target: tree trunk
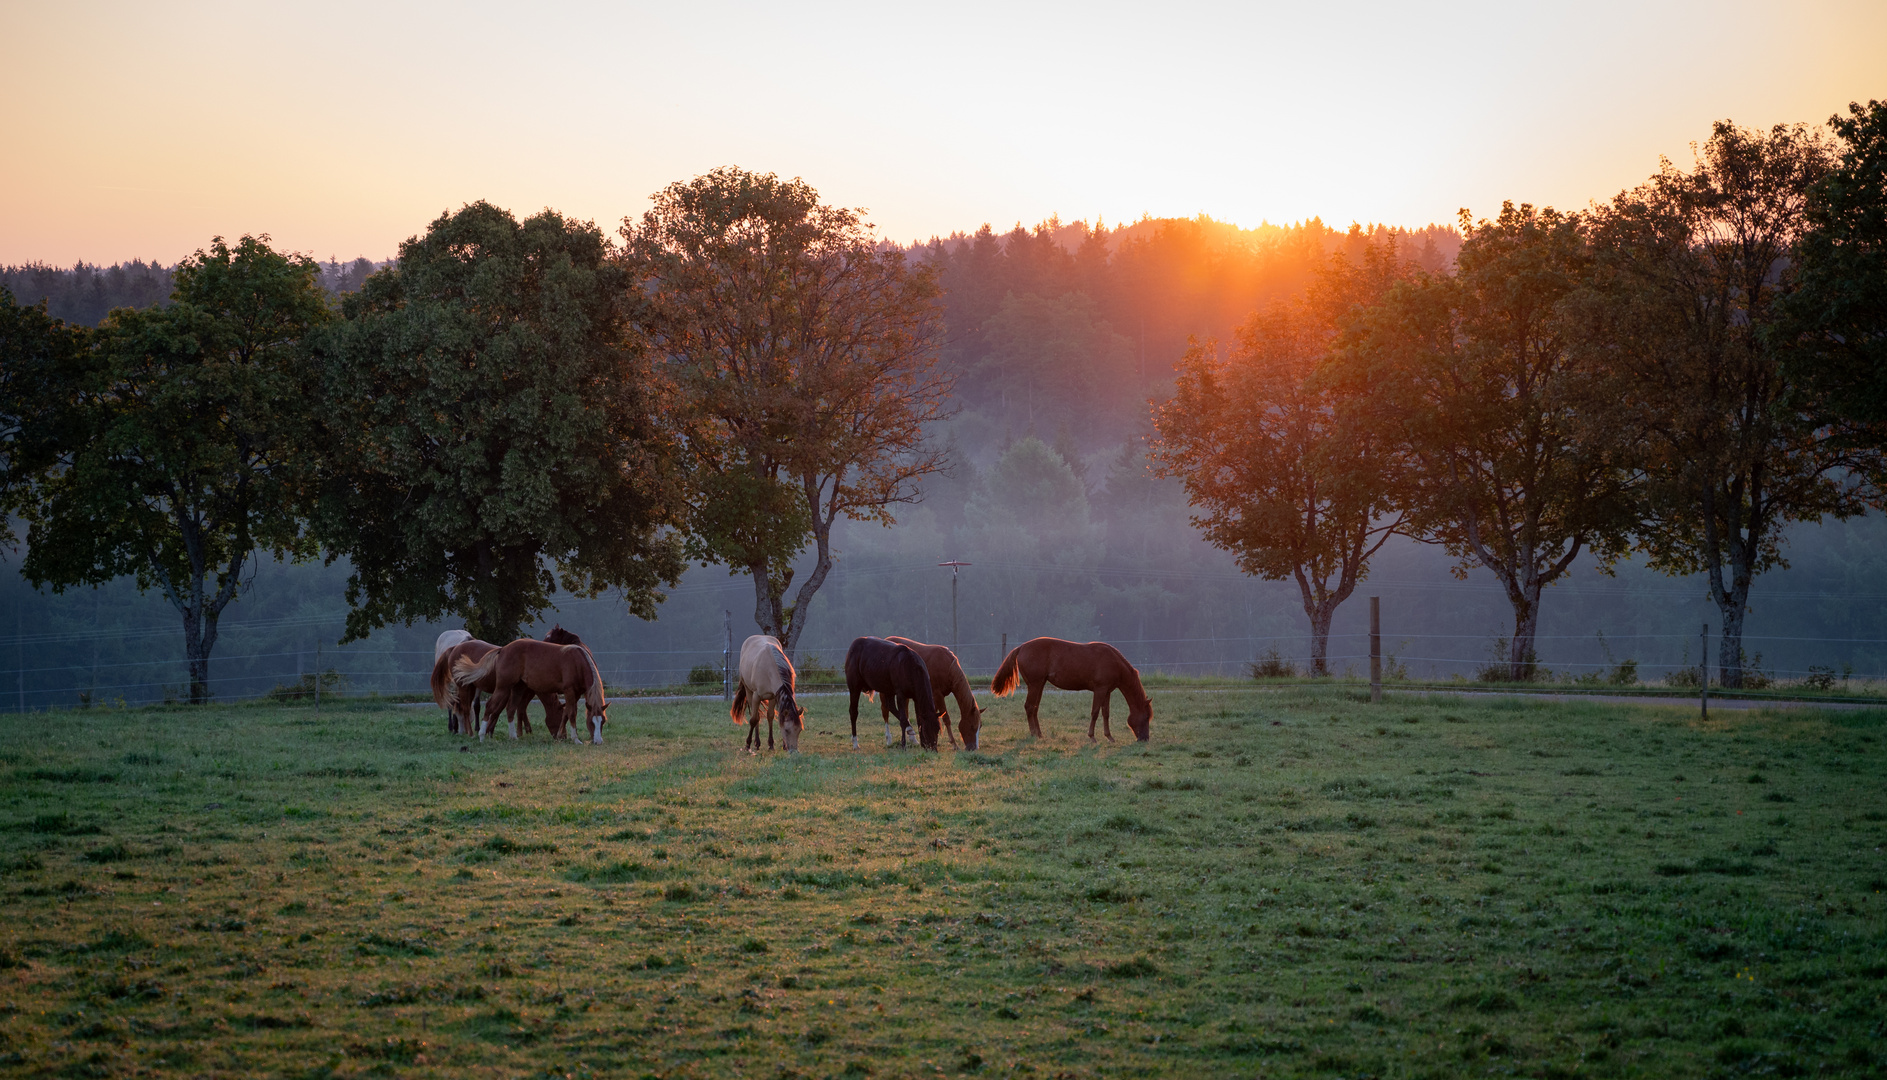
1320	638
822	518
1522	660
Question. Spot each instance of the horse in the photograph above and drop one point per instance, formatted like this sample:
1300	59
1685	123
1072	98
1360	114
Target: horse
559	636
898	676
459	702
767	677
1096	666
946	678
447	640
528	667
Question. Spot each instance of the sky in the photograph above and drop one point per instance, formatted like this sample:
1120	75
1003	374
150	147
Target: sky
141	130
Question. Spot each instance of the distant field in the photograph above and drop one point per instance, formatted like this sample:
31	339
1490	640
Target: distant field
1284	882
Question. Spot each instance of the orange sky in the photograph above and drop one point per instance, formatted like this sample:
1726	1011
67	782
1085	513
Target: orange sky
141	130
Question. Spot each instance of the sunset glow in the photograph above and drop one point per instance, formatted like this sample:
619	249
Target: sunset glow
141	130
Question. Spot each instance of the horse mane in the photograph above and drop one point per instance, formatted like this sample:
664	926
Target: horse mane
595	683
788	677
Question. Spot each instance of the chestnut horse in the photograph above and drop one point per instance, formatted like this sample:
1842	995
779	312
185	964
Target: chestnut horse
767	677
946	678
459	702
527	668
899	677
1069	665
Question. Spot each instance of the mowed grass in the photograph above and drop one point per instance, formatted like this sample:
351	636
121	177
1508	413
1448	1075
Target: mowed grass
1285	882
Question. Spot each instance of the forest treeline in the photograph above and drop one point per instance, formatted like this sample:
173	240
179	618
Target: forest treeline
516	416
85	294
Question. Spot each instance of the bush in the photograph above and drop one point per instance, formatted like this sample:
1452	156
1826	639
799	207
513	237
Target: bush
1819	678
704	675
813	669
304	687
1623	673
1270	665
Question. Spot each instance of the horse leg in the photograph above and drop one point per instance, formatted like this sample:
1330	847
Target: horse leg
495	705
854	719
772	708
884	711
1094	715
571	695
1105	698
943	718
753	727
1032	704
904	725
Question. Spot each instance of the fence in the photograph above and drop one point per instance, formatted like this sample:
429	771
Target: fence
365	670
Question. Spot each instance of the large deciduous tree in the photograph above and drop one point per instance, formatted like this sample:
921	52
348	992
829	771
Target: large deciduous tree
41	360
1517	460
1835	325
1293	477
805	357
180	438
1694	266
495	430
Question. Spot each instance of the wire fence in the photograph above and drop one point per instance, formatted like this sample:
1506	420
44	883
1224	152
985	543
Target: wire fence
362	670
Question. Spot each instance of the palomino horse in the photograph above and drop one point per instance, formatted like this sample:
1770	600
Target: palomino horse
527	668
946	678
898	676
1096	666
459	702
767	677
449	639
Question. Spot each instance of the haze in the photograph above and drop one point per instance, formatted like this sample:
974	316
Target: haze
140	130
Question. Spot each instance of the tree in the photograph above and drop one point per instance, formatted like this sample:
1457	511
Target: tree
1835	318
496	430
1694	267
805	357
40	358
1271	448
179	438
1516	461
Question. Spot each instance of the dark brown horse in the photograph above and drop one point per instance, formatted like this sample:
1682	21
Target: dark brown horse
459	702
1069	665
946	679
527	668
898	676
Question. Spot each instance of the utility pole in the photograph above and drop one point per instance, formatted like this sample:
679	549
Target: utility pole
1375	649
727	655
953	564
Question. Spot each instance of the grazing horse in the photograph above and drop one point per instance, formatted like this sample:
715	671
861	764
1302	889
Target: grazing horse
459	702
449	639
898	676
1069	665
767	677
946	678
559	636
527	668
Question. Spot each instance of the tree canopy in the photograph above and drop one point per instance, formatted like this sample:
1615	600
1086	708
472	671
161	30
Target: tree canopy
804	357
495	430
179	439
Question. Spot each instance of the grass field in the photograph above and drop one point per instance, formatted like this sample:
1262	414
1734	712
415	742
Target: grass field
1283	882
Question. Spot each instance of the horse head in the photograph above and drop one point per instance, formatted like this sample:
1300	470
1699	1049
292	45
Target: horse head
969	725
1140	718
792	719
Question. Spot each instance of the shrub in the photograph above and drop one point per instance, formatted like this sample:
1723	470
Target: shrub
304	687
1270	665
704	675
1819	678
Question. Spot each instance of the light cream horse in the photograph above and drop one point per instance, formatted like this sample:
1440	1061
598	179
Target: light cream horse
447	640
767	676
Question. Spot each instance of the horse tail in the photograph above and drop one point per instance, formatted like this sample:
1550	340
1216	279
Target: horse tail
441	678
1008	674
738	712
465	672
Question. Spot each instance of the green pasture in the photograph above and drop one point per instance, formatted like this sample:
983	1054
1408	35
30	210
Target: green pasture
1285	881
